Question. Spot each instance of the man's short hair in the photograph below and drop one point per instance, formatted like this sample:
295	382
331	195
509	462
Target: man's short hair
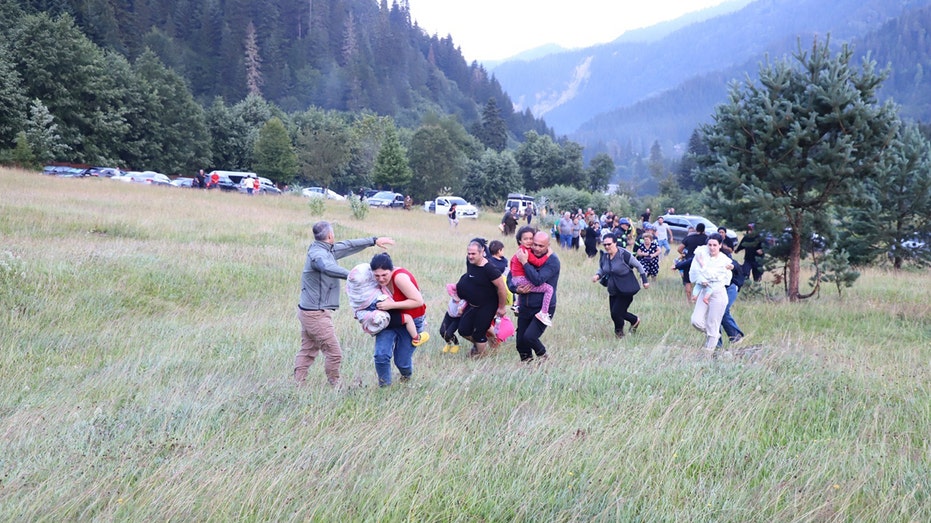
700	228
322	230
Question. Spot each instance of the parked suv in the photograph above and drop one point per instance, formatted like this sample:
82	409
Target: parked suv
386	199
679	225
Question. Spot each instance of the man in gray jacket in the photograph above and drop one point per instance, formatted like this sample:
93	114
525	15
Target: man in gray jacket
320	283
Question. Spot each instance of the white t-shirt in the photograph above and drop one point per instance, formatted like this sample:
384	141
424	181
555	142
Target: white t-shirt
661	230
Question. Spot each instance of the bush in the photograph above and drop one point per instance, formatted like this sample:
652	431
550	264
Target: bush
359	208
317	206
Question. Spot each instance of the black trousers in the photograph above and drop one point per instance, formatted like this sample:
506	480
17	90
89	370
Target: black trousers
619	304
475	322
529	330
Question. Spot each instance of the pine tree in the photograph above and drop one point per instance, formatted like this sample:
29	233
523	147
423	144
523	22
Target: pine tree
895	205
253	62
22	154
391	168
494	134
41	133
787	150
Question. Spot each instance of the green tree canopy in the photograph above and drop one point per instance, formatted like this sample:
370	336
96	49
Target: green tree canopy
391	168
436	163
895	205
787	150
274	156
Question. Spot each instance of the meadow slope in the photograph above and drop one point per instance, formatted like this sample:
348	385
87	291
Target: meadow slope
147	337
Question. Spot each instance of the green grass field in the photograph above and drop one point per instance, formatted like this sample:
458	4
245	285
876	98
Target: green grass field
147	337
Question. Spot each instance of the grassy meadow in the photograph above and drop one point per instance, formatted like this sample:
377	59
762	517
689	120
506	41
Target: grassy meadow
147	337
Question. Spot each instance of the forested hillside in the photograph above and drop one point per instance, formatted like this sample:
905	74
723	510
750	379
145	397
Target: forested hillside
115	78
336	54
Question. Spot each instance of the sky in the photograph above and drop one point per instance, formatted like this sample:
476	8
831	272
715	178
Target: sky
497	29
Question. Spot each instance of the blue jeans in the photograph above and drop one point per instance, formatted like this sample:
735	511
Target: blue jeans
664	244
396	343
565	240
727	322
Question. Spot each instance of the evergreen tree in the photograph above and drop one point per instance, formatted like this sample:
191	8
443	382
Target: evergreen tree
785	151
12	97
22	154
274	156
494	131
895	206
391	168
62	68
253	62
41	134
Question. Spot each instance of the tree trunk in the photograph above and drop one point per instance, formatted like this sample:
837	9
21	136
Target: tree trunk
795	254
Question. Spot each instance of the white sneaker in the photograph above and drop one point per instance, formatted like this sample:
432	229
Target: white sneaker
544	318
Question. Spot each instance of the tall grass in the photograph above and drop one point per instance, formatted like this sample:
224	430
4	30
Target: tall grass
147	338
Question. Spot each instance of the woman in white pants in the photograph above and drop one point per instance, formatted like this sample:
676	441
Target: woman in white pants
710	274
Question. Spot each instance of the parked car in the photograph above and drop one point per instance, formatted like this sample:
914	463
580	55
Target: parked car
442	204
386	199
105	172
227	180
265	185
319	192
679	225
183	182
521	201
149	177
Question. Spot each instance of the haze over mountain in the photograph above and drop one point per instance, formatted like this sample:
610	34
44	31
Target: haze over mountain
639	89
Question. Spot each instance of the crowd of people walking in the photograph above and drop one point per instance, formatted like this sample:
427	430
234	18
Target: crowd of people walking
629	261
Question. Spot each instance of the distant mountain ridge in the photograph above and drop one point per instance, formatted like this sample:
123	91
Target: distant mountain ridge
641	91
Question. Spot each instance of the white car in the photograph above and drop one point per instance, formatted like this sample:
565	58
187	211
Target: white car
319	192
442	204
149	177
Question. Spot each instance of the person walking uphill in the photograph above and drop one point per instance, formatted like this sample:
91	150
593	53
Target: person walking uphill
396	342
616	272
529	327
320	297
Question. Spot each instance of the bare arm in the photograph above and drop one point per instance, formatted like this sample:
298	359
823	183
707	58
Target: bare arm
413	297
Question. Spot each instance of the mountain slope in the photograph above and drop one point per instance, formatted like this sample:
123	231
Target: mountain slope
902	44
570	88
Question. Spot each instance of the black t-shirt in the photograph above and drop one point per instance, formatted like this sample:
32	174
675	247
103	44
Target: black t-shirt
692	242
476	287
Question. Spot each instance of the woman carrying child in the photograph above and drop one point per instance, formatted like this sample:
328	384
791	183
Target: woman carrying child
396	342
711	274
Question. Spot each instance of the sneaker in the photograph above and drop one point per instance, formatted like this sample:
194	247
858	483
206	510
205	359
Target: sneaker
420	340
544	318
737	339
404	379
453	349
515	309
619	335
633	328
446	347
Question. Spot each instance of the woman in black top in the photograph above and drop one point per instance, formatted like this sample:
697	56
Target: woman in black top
483	287
617	267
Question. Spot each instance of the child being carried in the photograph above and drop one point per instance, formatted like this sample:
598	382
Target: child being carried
519	277
364	295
